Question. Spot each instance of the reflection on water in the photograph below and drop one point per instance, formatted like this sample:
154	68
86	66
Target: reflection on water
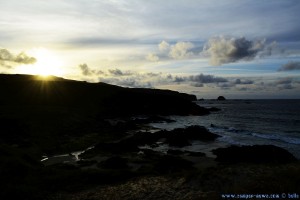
64	158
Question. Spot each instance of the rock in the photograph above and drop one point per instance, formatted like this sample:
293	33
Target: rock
86	163
195	154
199	133
181	137
221	98
253	154
115	162
178	141
214	109
175	152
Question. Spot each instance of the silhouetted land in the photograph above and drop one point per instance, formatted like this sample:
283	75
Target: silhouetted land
41	117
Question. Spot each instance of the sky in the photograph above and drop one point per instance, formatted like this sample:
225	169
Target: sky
239	49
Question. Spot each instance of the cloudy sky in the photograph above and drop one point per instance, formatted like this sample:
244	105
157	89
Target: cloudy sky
239	49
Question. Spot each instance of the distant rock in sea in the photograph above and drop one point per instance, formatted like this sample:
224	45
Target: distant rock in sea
221	98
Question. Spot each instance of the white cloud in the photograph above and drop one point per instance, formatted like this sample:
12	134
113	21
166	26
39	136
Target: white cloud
164	46
152	57
181	50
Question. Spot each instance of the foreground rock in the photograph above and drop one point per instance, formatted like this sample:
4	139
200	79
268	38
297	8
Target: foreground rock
178	137
253	154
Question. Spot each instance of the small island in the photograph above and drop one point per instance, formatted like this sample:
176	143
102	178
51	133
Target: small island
221	98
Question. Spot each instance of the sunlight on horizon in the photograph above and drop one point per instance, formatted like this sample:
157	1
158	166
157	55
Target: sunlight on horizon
47	64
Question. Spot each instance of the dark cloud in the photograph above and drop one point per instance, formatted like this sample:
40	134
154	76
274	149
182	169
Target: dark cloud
197	84
287	80
242	89
243	82
286	87
86	71
285	83
179	79
223	50
118	72
201	78
290	66
21	58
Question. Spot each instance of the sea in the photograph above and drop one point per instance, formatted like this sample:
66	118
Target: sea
244	122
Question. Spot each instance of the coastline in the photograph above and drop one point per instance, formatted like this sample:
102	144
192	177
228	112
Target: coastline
39	124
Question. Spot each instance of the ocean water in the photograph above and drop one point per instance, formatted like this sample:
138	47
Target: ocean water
247	122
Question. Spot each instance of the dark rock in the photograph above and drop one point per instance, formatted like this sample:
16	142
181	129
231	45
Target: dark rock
214	109
85	163
221	98
114	163
142	138
199	133
178	141
150	154
253	154
175	152
196	154
180	137
116	147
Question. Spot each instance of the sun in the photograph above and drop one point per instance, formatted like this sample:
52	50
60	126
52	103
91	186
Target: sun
47	63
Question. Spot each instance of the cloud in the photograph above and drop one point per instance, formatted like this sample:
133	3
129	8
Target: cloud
222	50
286	83
177	51
164	46
290	66
118	72
197	84
201	78
24	59
8	57
180	79
241	82
181	50
86	71
286	80
152	57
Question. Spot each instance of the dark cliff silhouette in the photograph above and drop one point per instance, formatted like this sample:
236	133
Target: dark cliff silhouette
108	100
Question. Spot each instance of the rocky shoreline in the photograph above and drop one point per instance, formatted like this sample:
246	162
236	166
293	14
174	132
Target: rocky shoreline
42	119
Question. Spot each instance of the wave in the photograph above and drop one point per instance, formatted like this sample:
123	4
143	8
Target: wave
277	137
290	140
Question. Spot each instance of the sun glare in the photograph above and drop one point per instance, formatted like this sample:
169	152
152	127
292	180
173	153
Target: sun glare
47	63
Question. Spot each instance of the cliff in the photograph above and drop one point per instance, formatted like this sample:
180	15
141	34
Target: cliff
104	98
